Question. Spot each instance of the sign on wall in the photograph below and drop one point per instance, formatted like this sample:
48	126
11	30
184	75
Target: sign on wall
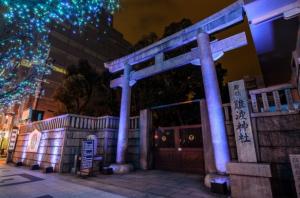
12	139
87	153
295	163
242	122
34	141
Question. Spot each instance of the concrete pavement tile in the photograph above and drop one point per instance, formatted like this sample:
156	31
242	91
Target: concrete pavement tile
139	184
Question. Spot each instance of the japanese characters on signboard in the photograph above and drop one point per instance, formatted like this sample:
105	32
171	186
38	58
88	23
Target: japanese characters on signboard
242	122
12	139
87	153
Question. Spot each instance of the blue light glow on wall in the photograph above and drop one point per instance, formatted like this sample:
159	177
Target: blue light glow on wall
263	34
263	37
24	153
42	149
259	8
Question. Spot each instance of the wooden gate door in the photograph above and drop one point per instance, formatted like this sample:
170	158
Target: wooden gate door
179	149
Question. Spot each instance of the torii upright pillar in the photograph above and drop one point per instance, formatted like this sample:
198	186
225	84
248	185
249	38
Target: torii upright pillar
121	166
214	104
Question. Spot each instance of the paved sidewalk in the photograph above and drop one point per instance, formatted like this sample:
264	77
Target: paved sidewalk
152	183
24	183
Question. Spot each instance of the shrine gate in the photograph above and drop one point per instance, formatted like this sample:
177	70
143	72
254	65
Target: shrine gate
204	56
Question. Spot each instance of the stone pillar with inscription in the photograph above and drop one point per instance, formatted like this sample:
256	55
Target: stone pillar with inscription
248	178
121	166
242	122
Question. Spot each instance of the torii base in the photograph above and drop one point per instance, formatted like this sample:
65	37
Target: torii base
121	168
217	183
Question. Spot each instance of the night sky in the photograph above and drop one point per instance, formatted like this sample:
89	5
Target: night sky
139	17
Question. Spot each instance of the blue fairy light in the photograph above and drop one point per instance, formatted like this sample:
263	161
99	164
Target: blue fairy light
27	24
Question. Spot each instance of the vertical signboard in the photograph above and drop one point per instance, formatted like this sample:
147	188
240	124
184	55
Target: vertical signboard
87	153
295	163
242	122
12	139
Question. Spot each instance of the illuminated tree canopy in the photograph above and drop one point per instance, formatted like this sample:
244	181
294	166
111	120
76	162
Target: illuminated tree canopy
25	27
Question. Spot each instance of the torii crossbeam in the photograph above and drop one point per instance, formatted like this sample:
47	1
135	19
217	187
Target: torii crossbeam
205	54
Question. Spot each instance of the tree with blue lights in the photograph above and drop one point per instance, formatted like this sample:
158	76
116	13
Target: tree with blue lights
25	27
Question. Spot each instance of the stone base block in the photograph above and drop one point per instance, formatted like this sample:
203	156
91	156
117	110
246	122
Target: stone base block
121	168
250	180
216	178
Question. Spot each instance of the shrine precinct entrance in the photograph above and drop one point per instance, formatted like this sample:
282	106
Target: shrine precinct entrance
177	137
179	148
204	55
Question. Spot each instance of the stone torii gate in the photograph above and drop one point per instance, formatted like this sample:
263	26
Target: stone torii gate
205	54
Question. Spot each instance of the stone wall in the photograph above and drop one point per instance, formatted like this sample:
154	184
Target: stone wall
133	152
74	137
230	131
49	151
231	140
62	138
107	146
279	136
